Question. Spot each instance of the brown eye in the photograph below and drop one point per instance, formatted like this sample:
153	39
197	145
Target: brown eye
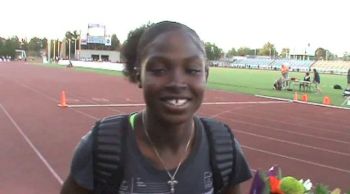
193	71
158	71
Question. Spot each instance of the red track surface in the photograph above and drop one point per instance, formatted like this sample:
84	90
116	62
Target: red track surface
37	138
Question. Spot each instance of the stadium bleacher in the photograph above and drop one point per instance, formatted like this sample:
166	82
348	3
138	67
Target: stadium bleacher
268	63
333	67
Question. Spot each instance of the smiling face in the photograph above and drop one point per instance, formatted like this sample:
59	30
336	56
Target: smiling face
173	76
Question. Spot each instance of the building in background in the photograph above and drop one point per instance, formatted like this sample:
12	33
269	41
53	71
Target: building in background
96	45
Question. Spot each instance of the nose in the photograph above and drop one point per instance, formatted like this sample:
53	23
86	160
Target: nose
177	79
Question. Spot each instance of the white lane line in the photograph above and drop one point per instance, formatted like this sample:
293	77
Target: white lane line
284	131
293	143
42	158
292	132
249	102
53	99
297	159
301	102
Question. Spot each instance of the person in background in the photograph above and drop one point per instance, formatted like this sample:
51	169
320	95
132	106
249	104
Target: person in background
305	83
317	80
284	72
167	147
277	85
348	87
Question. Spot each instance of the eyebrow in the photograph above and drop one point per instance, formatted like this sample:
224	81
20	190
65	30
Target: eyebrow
162	58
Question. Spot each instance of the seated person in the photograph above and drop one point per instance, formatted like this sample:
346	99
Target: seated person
278	84
306	79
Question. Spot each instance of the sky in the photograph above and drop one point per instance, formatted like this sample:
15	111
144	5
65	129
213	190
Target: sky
293	24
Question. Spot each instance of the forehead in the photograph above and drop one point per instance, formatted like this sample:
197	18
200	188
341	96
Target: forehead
173	45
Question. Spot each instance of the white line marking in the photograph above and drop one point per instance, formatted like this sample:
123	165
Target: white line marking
292	132
256	102
293	143
302	102
103	105
58	178
297	159
53	99
281	130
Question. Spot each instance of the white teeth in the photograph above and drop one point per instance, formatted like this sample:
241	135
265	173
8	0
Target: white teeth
177	102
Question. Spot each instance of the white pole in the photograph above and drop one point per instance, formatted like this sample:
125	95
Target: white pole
48	51
75	48
58	49
54	50
69	49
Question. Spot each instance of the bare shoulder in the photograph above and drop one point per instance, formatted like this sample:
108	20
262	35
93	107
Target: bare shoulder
234	189
71	187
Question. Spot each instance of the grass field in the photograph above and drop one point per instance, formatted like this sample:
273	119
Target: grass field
257	82
261	82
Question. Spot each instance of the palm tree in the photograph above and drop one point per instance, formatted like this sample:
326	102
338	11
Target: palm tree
71	38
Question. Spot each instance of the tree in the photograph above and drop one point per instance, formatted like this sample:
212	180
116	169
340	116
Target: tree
243	51
44	43
346	56
324	54
213	52
320	54
285	52
24	44
232	52
115	43
34	46
71	37
268	50
9	47
2	42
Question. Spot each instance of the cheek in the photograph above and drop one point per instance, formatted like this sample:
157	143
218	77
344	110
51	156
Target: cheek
199	88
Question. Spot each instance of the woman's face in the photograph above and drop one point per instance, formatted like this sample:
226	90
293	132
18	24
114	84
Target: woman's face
173	76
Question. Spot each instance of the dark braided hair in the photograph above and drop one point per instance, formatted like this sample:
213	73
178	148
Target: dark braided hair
141	37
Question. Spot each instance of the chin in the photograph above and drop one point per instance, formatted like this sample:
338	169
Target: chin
175	118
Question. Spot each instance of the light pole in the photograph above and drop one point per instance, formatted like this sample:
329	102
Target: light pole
54	50
69	41
48	51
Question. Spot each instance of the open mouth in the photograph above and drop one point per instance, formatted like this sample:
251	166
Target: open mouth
176	102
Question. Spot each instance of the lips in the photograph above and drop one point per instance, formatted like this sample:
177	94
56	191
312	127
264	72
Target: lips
175	102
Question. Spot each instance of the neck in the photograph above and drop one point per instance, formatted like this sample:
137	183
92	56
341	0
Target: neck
165	136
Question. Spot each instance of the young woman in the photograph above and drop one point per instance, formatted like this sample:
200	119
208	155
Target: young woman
167	147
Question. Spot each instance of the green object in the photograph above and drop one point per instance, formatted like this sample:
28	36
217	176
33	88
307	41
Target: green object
132	120
321	189
290	185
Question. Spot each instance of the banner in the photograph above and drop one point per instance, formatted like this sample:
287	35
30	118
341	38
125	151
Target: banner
96	39
108	41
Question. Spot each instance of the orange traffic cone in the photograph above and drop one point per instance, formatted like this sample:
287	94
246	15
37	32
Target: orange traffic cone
63	100
305	98
295	96
326	100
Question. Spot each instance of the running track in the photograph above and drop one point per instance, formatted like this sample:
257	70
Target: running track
37	138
